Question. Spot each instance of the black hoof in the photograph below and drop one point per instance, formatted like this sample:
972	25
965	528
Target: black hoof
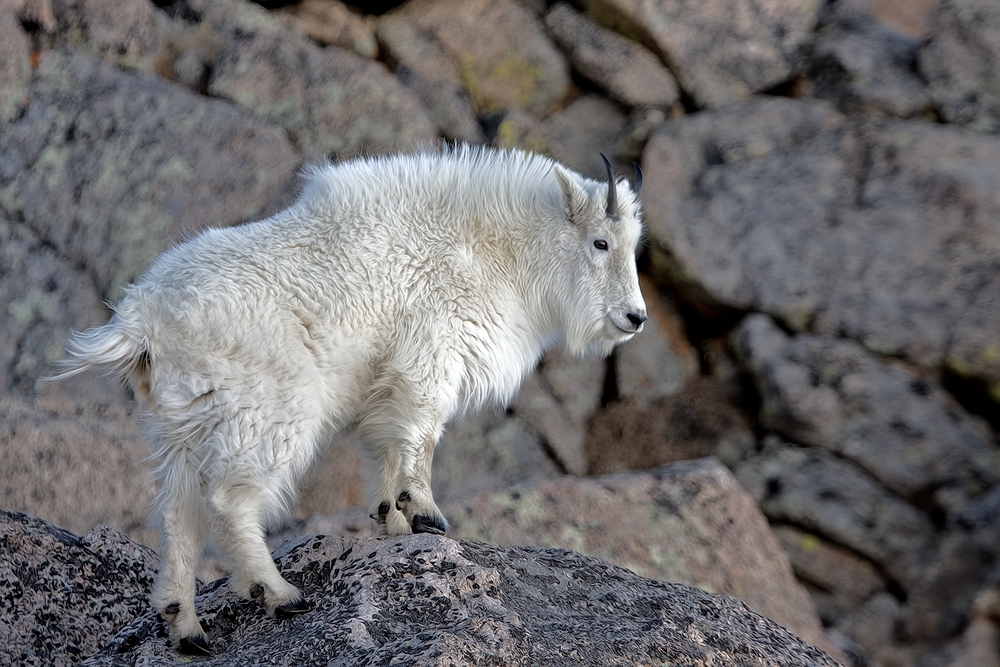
383	509
434	525
290	609
404	497
172	608
195	645
256	591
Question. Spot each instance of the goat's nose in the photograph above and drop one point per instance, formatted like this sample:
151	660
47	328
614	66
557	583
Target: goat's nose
636	319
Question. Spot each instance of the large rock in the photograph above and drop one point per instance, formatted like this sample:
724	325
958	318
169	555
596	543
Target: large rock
961	60
129	33
835	499
865	66
331	102
496	50
687	522
78	462
900	427
428	600
62	597
720	52
886	231
109	167
628	71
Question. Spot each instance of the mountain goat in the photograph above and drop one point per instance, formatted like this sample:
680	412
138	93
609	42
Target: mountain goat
396	293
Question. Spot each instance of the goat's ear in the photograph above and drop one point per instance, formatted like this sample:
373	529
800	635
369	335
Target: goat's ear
574	199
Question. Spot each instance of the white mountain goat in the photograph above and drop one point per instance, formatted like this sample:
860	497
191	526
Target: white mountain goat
396	293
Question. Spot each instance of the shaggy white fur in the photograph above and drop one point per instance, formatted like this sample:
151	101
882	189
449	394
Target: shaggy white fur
396	293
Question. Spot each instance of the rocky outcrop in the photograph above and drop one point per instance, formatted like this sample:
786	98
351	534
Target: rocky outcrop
962	62
720	53
882	231
62	596
423	599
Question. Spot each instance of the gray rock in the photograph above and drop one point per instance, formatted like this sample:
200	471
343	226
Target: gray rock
865	66
575	136
109	168
719	52
495	50
961	60
628	71
426	600
837	500
902	428
236	18
968	560
331	102
838	579
688	522
62	597
42	298
128	33
884	231
15	67
874	624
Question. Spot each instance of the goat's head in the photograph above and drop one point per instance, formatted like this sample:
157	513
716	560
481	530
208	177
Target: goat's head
605	307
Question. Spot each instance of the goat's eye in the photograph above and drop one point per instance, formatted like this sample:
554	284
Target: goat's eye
601	244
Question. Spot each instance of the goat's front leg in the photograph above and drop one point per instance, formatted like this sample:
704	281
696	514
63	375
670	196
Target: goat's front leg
415	499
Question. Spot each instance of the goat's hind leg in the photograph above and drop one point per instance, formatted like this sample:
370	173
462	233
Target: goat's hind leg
236	522
183	531
388	518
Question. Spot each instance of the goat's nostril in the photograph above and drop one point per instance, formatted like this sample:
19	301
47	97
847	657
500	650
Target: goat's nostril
636	319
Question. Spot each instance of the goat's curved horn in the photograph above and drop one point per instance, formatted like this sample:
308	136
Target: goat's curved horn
638	180
612	191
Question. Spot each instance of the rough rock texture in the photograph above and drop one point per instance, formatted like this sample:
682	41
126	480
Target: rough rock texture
900	427
837	579
720	52
687	522
837	500
331	102
629	72
512	65
865	66
62	597
128	33
80	463
96	150
962	62
426	600
887	232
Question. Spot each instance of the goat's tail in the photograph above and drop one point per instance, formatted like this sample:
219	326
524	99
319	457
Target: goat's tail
113	348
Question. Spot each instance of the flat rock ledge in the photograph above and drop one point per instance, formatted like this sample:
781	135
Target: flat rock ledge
428	600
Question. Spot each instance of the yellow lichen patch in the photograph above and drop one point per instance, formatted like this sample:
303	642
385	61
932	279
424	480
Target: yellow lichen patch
509	137
809	542
509	84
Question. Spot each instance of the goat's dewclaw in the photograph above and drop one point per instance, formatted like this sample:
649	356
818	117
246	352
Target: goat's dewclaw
394	294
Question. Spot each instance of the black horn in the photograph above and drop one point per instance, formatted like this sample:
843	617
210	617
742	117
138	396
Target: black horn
638	180
612	191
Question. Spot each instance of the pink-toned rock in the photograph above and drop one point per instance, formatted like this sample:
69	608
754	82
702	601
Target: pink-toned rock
332	23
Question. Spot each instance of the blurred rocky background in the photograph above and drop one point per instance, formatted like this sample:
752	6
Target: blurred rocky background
822	271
